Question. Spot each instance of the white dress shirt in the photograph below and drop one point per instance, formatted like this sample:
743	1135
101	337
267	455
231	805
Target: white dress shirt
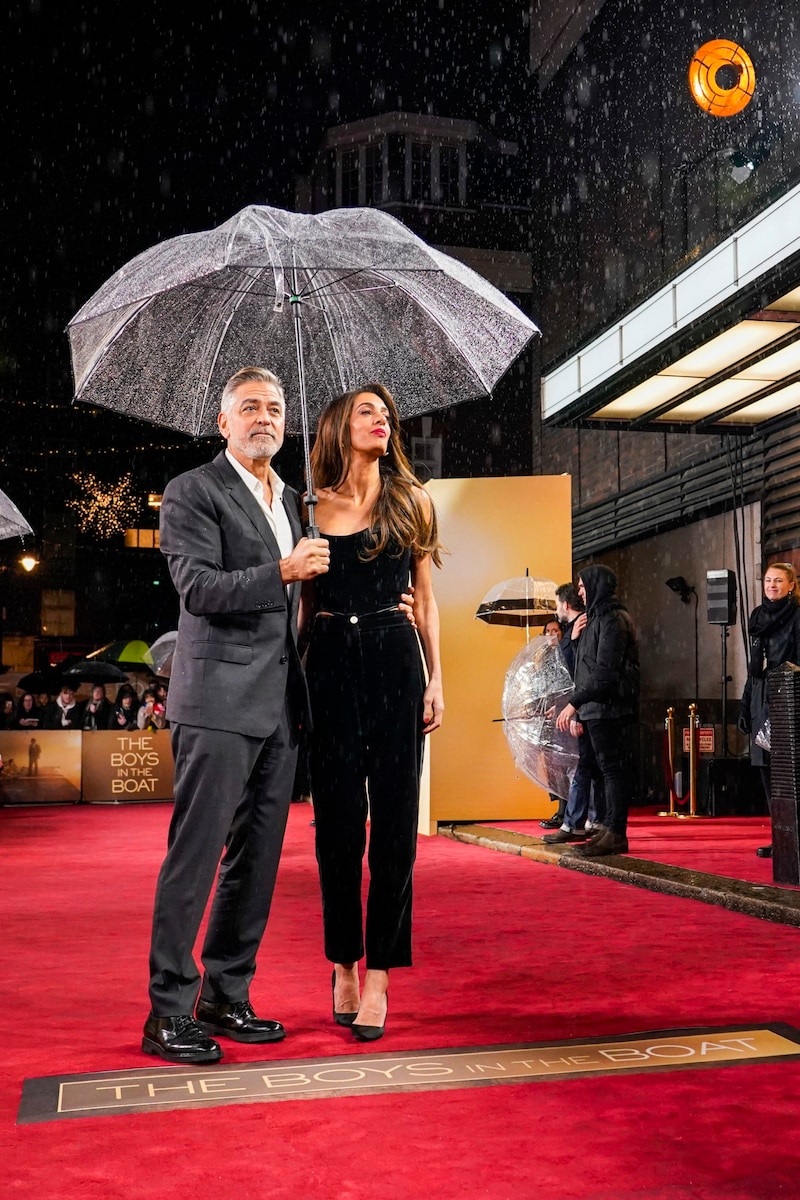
276	515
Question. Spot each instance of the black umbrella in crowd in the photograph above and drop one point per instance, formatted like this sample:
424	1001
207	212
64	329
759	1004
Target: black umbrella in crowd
88	671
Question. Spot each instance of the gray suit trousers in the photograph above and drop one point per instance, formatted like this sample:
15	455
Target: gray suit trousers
232	795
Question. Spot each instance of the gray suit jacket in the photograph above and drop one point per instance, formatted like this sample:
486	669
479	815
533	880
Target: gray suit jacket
236	654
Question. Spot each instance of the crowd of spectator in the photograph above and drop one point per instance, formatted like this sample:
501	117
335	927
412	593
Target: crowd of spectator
127	711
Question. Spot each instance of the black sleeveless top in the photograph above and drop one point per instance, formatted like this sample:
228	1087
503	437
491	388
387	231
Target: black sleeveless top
355	586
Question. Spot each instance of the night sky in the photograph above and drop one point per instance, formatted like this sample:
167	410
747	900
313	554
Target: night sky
128	125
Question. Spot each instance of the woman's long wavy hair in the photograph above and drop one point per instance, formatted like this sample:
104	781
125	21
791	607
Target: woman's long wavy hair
399	521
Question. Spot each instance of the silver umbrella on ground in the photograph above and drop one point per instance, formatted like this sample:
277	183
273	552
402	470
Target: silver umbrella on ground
537	686
12	522
327	301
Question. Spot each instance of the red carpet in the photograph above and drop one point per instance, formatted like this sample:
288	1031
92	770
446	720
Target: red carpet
721	846
508	951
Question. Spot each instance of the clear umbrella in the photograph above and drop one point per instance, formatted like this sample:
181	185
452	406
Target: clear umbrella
161	653
522	601
12	522
537	686
160	338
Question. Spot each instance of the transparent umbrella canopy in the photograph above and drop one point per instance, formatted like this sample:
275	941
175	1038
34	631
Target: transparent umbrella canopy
522	601
328	302
161	653
12	522
537	686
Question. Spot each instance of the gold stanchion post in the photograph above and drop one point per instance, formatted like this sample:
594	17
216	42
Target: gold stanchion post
694	726
669	727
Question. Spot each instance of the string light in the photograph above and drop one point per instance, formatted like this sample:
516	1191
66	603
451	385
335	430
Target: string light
103	508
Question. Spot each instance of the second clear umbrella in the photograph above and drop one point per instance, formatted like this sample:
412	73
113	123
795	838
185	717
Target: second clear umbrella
537	686
522	601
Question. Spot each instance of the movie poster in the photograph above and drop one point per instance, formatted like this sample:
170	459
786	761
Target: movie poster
41	766
120	766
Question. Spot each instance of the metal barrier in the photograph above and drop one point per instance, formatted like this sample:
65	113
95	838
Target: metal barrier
670	758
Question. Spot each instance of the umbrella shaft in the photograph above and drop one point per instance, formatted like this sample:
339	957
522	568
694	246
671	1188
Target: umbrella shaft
312	530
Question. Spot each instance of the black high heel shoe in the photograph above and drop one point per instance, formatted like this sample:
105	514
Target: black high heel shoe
370	1033
341	1018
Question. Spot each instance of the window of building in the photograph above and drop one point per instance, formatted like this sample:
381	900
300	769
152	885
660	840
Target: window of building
350	178
420	184
426	457
448	174
58	613
142	539
373	174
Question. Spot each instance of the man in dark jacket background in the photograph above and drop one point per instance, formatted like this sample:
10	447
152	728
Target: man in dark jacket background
605	699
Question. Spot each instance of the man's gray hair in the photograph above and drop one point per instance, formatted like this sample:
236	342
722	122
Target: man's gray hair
248	375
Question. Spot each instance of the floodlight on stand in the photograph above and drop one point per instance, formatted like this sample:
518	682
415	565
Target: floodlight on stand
678	584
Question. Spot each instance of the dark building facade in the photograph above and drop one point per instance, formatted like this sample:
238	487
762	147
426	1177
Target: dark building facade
667	275
465	190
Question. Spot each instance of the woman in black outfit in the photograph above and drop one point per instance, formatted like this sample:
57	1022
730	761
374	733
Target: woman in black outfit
774	629
369	699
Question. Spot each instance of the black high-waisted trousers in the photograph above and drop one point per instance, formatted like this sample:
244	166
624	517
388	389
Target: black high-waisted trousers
366	683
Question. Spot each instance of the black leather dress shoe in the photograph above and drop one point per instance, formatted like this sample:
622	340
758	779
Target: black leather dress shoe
237	1021
764	851
551	823
179	1039
565	835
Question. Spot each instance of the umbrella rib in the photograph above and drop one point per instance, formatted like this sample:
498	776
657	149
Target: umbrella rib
341	279
334	344
102	351
241	293
468	358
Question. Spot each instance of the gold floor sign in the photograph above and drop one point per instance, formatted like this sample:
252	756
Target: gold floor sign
155	1090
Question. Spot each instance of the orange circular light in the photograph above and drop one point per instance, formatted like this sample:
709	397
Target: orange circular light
710	95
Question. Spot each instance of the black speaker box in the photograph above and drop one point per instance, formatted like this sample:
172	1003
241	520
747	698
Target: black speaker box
730	787
721	597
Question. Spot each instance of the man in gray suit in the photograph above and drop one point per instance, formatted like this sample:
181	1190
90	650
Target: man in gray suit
231	534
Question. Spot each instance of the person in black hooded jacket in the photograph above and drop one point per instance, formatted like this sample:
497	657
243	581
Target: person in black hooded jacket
605	699
774	630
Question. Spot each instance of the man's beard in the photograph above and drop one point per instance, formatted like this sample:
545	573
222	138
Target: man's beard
264	446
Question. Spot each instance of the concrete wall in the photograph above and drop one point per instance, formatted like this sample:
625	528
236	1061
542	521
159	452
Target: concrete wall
666	625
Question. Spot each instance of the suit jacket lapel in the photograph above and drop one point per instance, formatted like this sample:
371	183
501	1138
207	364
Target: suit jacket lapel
244	498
